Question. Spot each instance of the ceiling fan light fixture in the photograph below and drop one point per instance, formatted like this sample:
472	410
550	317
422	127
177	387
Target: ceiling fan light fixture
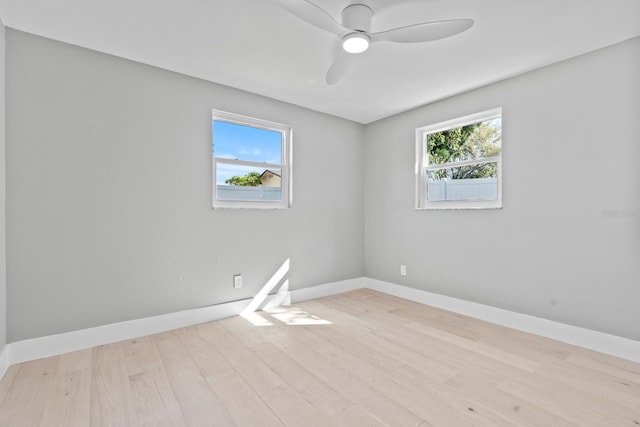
356	42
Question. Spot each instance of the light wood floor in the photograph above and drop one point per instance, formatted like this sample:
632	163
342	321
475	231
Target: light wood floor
380	361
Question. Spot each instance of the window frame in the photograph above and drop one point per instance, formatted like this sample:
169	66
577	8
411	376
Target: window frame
422	165
285	166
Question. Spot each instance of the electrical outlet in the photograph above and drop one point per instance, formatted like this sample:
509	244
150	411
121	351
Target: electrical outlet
403	270
237	281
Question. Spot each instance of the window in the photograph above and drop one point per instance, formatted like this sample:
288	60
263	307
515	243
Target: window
459	163
251	162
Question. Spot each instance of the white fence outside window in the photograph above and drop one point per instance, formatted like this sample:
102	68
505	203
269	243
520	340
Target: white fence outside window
239	192
462	189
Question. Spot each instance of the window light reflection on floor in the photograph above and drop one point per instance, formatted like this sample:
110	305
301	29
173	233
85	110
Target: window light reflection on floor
296	316
275	300
256	319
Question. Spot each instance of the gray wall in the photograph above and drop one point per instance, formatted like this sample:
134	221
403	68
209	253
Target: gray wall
109	193
109	189
3	253
569	253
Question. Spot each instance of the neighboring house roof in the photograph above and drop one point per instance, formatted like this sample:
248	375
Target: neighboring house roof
270	171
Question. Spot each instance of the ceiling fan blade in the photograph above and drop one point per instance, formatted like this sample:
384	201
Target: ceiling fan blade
314	15
424	32
339	68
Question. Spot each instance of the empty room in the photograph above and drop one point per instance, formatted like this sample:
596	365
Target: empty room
319	212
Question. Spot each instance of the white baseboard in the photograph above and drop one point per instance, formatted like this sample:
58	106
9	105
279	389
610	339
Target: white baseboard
328	289
4	360
53	345
598	341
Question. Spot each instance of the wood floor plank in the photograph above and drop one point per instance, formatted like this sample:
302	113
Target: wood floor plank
25	402
424	400
427	348
361	358
367	353
601	358
610	367
415	376
439	322
404	305
357	416
526	348
199	405
238	397
589	386
154	401
477	347
563	405
111	396
204	353
337	377
453	322
309	386
7	381
69	399
420	396
389	318
352	304
74	361
512	408
259	375
444	352
242	402
427	367
292	409
140	355
244	331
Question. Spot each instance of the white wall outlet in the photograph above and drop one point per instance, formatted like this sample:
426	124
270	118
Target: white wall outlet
403	270
237	281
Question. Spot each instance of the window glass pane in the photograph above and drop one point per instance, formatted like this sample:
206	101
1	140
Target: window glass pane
248	183
475	182
233	141
469	142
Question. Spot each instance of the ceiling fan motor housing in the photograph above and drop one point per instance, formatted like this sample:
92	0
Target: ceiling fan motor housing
357	17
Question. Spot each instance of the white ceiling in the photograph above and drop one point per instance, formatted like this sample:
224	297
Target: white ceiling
258	46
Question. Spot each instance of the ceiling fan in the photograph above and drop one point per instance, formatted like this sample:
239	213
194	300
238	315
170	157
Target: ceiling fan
355	31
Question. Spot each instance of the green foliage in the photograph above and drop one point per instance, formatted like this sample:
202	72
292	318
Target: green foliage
469	142
252	179
449	145
484	141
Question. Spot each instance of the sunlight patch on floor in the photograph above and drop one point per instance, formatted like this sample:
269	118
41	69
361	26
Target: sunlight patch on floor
274	299
256	319
294	316
277	281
